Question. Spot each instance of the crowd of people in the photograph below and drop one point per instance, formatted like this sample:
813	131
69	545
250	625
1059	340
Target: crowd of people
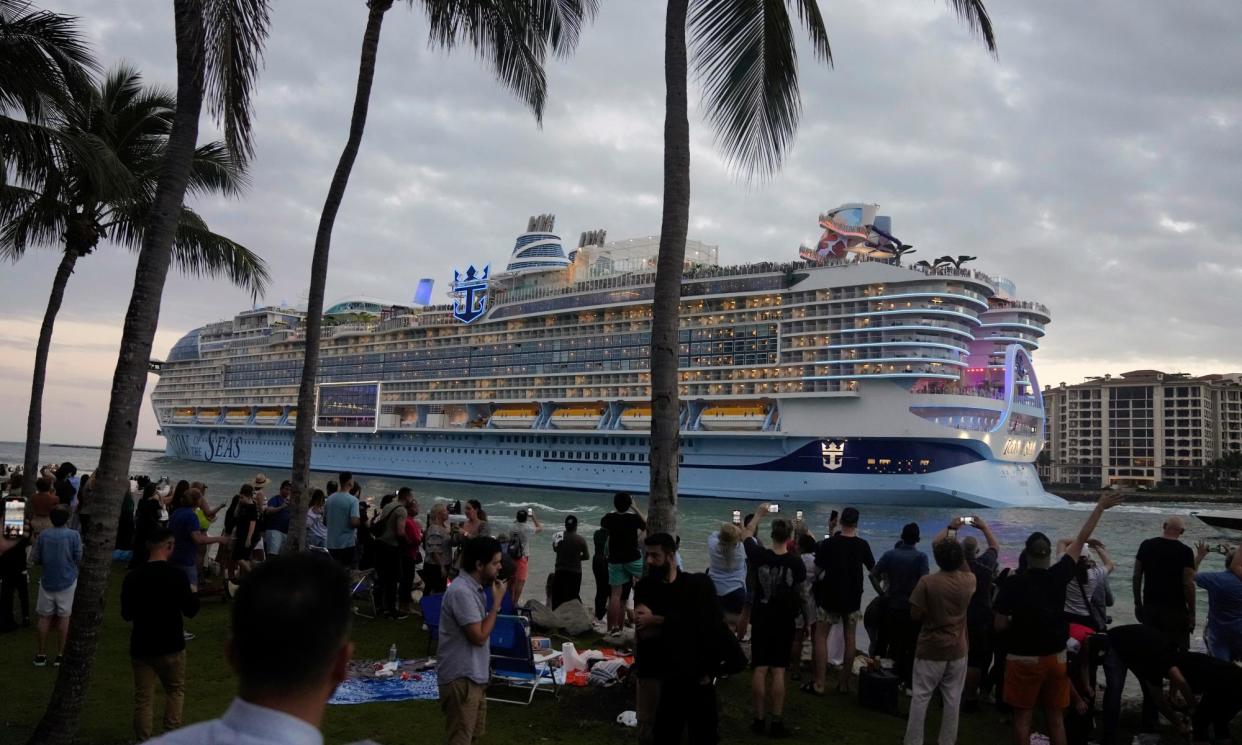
1034	639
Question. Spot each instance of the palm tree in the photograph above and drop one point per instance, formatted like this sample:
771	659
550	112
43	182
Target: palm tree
513	36
744	55
961	259
900	250
42	61
126	127
218	48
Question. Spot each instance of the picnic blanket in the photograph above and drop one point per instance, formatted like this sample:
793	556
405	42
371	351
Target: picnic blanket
424	687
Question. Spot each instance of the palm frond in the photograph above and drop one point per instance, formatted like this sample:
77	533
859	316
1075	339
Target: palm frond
30	218
561	21
813	20
504	33
215	170
199	252
744	56
235	33
43	59
977	20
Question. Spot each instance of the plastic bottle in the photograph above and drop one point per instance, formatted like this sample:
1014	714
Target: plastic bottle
392	653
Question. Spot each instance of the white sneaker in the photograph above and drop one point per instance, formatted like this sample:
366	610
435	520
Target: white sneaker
599	626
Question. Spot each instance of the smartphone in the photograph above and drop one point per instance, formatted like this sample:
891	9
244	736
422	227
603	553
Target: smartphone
833	517
530	512
798	515
774	508
967	520
737	517
14	517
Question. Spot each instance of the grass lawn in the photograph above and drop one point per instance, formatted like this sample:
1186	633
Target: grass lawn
578	716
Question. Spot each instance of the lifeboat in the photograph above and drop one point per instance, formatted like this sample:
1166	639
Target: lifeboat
636	417
267	417
183	415
292	419
208	415
734	416
237	416
577	417
515	417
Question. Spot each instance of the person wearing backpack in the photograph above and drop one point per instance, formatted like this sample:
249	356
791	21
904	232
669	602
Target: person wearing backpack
519	550
388	530
777	602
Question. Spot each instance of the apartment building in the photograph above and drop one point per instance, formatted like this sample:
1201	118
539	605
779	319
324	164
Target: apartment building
1144	427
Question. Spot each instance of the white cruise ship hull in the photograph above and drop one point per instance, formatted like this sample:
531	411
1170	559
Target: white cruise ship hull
726	465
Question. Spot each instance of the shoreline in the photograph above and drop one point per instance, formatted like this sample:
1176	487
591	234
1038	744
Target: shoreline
1150	497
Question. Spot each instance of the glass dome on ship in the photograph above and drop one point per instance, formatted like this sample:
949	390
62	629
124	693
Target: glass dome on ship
845	375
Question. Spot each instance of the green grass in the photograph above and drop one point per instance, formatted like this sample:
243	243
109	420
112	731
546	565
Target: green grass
579	715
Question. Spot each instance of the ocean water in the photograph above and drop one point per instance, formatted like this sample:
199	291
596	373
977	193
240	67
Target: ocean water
1121	529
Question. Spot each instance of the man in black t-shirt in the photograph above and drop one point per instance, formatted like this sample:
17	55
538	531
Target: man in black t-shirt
1164	584
841	560
1030	607
625	561
679	627
776	603
1148	654
154	597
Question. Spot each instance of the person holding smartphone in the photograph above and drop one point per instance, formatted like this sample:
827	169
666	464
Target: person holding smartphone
466	625
14	580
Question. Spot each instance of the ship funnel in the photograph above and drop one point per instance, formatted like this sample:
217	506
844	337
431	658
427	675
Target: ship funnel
592	238
540	223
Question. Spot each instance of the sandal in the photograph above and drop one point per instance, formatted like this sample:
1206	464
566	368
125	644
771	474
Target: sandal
809	687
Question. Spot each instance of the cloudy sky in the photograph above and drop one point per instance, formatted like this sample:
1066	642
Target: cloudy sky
1095	163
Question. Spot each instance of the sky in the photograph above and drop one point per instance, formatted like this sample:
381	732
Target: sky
1094	161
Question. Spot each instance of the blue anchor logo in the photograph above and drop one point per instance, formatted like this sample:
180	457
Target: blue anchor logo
471	291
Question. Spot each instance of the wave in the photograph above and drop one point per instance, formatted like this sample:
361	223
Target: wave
541	507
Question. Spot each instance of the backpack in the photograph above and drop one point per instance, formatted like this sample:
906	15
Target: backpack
516	548
380	524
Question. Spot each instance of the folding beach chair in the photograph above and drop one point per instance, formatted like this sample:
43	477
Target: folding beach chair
362	587
513	661
429	605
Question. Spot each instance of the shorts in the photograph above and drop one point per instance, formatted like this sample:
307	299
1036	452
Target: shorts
771	642
733	601
832	618
58	604
1036	681
191	573
273	540
522	569
621	574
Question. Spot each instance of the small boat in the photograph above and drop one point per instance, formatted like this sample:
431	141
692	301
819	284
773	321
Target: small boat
183	415
237	416
1228	519
208	415
734	416
577	417
636	417
515	417
267	417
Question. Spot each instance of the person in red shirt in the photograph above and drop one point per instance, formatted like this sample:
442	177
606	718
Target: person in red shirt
411	546
42	503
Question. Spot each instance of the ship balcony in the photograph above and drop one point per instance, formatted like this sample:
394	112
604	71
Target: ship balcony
920	310
991	322
925	326
1036	309
1010	337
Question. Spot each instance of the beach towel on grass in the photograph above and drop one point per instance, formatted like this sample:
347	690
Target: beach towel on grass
374	690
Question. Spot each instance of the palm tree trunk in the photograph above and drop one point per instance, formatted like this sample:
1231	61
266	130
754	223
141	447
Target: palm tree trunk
303	433
665	310
99	514
34	420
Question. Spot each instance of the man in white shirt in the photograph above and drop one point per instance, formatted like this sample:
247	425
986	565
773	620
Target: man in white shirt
287	668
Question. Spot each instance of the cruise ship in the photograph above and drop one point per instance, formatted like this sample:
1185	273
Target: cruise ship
847	375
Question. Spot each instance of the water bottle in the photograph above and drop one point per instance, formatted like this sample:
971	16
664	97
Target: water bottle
392	653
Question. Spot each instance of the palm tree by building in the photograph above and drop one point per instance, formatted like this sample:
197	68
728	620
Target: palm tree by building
744	55
120	128
218	48
513	36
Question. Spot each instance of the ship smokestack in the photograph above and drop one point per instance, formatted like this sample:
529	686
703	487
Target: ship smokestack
541	223
592	238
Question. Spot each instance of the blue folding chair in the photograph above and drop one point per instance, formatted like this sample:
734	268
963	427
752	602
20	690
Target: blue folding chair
506	603
430	607
513	661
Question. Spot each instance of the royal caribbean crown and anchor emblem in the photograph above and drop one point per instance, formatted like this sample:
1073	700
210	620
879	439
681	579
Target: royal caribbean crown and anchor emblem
471	292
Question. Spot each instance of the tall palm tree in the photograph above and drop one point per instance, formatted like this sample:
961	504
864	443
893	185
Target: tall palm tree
218	49
127	127
960	260
513	36
745	58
